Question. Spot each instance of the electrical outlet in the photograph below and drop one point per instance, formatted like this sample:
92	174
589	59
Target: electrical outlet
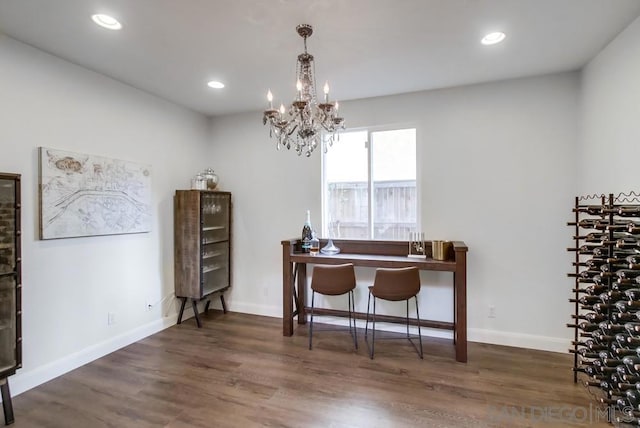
111	318
492	311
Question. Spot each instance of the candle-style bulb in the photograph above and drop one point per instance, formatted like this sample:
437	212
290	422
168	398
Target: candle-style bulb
337	106
281	108
270	98
326	88
299	85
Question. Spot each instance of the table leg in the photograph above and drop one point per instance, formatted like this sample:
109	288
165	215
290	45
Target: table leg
302	288
7	406
184	302
194	304
287	292
460	319
224	304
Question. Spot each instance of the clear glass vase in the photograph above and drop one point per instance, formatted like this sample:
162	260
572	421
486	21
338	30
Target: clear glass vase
330	249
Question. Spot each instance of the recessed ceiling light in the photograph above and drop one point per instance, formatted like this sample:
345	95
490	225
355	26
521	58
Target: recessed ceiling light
106	21
215	84
493	38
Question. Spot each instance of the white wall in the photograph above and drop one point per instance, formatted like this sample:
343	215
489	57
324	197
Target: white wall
497	171
71	284
610	121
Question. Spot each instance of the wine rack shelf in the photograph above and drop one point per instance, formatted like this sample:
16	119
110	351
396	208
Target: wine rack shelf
606	298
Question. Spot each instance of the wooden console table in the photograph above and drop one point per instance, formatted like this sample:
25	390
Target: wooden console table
384	254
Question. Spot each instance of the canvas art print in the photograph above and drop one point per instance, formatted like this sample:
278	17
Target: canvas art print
86	195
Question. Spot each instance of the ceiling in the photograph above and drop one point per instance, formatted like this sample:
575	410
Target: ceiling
364	48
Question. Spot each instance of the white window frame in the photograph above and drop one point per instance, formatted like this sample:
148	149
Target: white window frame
370	208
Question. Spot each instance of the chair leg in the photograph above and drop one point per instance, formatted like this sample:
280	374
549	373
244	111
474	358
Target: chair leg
408	319
373	328
419	332
366	324
313	295
352	310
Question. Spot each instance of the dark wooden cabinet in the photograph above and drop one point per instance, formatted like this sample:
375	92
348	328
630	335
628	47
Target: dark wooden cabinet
10	285
202	239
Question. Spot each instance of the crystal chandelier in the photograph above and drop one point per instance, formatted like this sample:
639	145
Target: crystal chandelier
302	124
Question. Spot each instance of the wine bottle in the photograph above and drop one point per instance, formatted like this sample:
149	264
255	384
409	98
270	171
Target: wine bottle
591	344
629	211
621	351
621	317
627	273
584	353
587	223
633	396
626	419
603	307
633	293
624	284
622	370
584	326
589	209
594	290
307	234
624	386
631	378
612	267
592	317
627	306
632	327
621	339
587	300
600	337
631	362
589	273
613	227
611	296
585	249
611	328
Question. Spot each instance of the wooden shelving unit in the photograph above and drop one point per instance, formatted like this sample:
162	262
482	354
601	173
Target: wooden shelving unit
202	239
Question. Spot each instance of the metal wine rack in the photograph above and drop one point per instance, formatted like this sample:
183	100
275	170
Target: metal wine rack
606	295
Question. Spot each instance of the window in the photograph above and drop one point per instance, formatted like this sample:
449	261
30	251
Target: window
369	185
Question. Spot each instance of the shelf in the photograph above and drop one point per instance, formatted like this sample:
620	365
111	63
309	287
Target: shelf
206	229
7	366
213	242
214	254
211	269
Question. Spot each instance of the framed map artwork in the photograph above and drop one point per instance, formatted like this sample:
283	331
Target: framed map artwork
87	195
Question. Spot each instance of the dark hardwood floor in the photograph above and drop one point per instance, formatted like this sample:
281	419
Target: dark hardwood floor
239	371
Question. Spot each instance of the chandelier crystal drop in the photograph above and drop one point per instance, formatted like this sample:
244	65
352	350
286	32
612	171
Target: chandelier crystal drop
301	126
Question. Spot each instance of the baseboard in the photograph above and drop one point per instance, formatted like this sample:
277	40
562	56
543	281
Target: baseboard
519	340
25	380
254	309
